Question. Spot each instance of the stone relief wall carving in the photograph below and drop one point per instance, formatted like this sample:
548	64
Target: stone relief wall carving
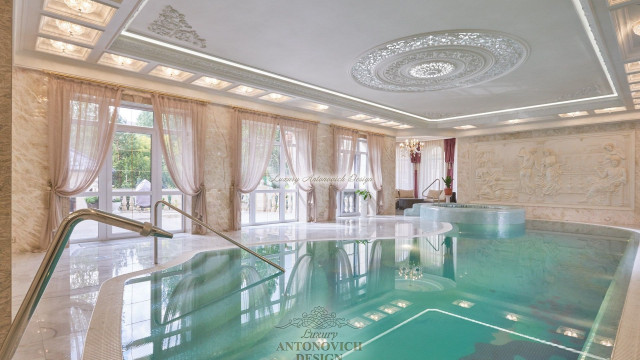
172	23
565	171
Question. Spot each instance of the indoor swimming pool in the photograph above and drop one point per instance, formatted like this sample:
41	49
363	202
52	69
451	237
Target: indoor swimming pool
541	295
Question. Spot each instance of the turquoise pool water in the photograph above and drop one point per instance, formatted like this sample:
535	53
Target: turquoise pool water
541	295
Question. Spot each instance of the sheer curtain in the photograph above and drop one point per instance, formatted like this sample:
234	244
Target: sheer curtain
375	144
182	130
344	149
404	170
254	140
300	143
82	119
432	165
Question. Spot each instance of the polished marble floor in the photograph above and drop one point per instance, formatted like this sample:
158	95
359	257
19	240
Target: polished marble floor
58	328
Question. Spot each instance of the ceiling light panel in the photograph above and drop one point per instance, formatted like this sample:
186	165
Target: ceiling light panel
376	121
636	101
464	127
211	83
390	124
360	117
275	97
62	48
634	87
69	31
246	91
84	10
632	67
610	110
402	127
573	114
633	78
121	62
170	73
635	94
616	2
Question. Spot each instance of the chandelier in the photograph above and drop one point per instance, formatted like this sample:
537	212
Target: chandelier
410	272
431	69
82	6
411	148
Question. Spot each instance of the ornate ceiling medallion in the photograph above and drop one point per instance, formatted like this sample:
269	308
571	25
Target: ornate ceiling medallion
439	61
172	23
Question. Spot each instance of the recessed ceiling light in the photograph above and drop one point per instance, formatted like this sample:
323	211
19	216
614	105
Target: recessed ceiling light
69	31
62	48
319	107
170	73
573	114
390	124
212	83
464	127
246	90
632	66
636	28
633	78
360	117
401	127
464	303
123	62
85	10
610	110
376	121
275	97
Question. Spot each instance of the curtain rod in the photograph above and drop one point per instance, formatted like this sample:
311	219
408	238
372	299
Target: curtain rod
80	78
360	131
285	117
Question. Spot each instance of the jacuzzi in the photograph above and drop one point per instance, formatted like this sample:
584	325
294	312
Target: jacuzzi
478	219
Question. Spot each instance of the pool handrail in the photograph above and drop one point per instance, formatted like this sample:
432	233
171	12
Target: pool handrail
205	225
50	260
433	182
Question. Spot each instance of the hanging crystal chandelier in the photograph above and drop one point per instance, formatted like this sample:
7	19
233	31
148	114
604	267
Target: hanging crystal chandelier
82	6
411	148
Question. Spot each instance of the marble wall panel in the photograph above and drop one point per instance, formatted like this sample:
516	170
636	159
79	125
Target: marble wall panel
324	158
389	176
6	9
30	165
590	156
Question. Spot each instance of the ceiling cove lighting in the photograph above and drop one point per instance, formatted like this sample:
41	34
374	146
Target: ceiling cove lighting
62	48
464	127
573	114
360	117
246	90
122	62
610	110
170	73
319	107
380	106
402	127
275	97
376	121
632	66
212	83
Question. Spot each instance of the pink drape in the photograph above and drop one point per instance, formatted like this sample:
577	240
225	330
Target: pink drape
449	154
181	127
82	119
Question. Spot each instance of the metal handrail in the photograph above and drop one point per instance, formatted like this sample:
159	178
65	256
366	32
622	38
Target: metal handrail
433	182
51	257
205	225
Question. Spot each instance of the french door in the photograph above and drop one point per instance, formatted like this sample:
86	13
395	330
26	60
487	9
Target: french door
132	179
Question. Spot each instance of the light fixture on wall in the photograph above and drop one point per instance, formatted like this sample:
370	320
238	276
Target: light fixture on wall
82	6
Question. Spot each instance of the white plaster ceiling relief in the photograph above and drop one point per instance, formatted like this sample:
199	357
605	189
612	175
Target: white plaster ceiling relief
439	61
172	23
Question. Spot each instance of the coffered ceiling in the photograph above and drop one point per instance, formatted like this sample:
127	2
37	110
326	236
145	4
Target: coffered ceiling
414	66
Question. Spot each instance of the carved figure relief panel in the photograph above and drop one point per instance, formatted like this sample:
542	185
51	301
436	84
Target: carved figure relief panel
586	171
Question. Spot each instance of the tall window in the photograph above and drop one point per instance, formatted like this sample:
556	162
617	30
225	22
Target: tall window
273	200
133	178
432	166
348	204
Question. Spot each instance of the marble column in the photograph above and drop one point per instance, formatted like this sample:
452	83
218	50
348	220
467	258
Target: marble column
5	165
